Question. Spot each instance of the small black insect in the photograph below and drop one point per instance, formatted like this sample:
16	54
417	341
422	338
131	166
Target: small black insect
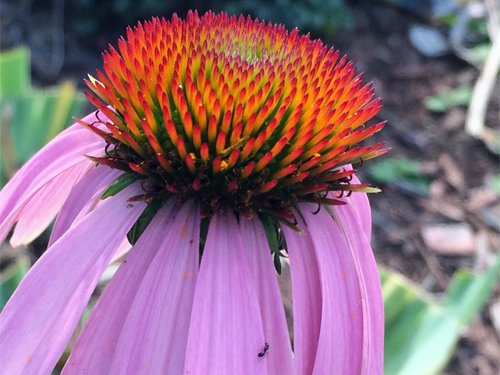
264	351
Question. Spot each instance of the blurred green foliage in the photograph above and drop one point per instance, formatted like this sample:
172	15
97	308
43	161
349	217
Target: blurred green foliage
449	98
30	117
421	333
404	173
11	276
14	72
323	18
495	184
320	17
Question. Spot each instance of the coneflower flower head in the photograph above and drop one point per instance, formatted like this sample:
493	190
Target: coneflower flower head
217	144
234	113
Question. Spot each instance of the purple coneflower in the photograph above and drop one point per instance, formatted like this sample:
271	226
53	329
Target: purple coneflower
219	145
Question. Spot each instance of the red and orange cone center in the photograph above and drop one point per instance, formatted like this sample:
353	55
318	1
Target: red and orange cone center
233	112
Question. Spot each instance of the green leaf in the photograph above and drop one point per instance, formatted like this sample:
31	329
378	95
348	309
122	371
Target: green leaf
420	333
205	223
119	184
447	99
11	277
273	239
277	262
271	229
480	52
38	115
30	117
468	292
421	341
67	103
142	223
14	72
7	153
391	169
494	183
400	171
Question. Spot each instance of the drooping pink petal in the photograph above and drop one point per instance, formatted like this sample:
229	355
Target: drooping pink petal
41	209
371	290
96	346
54	157
63	152
306	298
123	249
82	198
153	338
40	317
226	332
362	206
343	340
261	265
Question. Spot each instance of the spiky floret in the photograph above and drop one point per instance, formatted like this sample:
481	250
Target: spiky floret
234	112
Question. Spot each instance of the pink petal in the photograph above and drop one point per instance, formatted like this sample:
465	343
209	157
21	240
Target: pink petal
361	203
340	340
258	255
63	152
122	250
226	332
97	344
345	324
70	143
362	206
82	198
40	317
40	210
371	290
306	297
154	336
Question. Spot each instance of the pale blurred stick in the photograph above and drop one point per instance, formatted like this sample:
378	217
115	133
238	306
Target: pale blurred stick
476	114
493	8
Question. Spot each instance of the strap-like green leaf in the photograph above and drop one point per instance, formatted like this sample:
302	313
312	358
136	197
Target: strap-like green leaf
119	184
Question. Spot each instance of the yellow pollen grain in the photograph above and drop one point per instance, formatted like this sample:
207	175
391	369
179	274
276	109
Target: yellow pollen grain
184	275
223	165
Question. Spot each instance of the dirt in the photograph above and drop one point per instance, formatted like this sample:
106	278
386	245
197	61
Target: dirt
457	165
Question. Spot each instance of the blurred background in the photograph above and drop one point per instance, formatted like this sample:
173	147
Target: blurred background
436	224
